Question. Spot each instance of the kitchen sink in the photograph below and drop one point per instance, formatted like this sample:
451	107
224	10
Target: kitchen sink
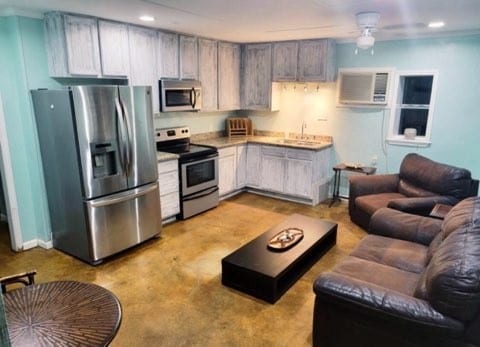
300	142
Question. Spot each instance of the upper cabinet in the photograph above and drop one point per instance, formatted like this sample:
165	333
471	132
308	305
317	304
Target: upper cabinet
285	58
207	66
257	76
228	76
72	45
114	48
307	60
316	60
168	55
143	60
188	57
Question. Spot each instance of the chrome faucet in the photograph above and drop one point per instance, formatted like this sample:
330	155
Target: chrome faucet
304	126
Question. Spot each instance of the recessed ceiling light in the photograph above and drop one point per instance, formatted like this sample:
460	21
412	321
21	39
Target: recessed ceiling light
147	18
436	24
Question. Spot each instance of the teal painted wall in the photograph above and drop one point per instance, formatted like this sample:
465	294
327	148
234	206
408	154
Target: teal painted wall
456	120
22	67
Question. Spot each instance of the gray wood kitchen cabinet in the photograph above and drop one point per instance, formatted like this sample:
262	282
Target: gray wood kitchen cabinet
168	188
188	57
299	173
229	55
241	166
114	48
257	76
285	61
272	174
208	73
316	60
227	170
143	60
253	165
72	45
168	47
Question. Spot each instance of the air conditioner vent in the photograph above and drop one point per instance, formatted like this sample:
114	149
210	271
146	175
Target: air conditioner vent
360	87
381	81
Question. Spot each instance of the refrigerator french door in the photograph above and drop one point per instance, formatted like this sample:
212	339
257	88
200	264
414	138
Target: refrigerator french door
99	162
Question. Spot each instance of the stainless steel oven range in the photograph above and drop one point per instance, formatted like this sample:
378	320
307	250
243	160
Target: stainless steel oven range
198	170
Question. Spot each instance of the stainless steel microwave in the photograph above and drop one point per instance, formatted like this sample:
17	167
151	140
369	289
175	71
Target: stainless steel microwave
180	95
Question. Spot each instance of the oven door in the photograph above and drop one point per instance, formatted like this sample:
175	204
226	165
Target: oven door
199	174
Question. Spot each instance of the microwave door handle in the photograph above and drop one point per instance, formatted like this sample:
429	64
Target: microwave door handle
121	127
193	97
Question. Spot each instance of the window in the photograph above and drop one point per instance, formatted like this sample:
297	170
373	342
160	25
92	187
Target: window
413	108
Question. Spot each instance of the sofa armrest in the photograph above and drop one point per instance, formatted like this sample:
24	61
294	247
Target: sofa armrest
371	184
400	225
421	205
382	303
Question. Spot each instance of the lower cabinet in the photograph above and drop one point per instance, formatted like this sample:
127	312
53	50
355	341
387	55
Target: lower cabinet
227	182
253	165
241	166
272	175
169	188
290	173
299	176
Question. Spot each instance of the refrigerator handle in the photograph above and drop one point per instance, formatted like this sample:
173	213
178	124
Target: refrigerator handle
121	121
123	196
128	144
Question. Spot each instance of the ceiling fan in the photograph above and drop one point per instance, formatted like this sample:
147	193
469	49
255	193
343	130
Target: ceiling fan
367	23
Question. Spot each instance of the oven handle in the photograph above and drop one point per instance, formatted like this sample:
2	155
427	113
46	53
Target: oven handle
201	194
198	159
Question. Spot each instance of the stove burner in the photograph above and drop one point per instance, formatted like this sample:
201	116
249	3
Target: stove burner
285	239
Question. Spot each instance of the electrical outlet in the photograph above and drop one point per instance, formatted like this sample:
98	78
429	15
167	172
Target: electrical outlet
374	160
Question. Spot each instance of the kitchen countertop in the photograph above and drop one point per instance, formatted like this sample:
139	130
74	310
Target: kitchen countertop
164	156
222	142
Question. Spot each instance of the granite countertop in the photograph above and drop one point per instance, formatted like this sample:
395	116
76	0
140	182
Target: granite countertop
222	142
164	156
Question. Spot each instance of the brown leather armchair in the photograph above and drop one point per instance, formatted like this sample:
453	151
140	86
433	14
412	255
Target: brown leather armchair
420	184
413	281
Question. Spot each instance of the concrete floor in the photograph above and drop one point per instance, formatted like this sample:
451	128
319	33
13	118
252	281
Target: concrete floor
170	288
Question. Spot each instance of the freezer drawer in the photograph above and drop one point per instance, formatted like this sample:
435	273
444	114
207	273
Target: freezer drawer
122	220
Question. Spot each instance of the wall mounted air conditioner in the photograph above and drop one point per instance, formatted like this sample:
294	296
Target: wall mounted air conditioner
364	87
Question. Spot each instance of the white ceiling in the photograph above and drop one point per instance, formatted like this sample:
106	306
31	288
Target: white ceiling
273	20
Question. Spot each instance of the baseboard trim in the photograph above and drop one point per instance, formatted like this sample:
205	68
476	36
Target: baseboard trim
30	244
45	244
37	243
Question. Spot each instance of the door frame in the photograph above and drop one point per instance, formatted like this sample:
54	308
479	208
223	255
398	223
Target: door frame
14	226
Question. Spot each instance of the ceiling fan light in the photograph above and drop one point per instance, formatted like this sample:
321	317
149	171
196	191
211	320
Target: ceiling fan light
367	19
365	42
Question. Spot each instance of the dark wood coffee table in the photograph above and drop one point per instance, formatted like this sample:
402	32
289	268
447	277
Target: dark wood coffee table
266	274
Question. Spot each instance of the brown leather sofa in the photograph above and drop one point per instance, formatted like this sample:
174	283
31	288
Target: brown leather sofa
414	281
420	184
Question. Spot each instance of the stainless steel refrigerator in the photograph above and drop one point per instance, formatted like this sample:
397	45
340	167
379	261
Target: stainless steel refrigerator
100	168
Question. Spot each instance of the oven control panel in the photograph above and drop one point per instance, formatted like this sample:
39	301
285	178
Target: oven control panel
168	134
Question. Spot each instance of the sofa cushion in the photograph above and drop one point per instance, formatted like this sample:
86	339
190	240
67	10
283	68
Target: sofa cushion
452	278
410	190
373	202
389	277
403	255
436	177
